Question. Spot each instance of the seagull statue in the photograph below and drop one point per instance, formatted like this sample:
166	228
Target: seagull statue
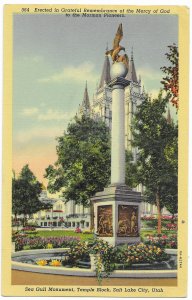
114	53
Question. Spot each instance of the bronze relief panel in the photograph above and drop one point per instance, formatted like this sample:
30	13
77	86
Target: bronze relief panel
127	221
104	221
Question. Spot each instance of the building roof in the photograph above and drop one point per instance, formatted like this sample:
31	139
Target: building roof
105	76
132	76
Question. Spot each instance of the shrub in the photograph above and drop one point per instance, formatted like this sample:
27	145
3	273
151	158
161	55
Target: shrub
77	252
78	230
142	253
105	256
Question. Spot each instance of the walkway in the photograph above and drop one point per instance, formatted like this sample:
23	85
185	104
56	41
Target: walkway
29	278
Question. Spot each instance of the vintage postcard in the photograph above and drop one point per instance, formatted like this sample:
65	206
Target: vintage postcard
95	150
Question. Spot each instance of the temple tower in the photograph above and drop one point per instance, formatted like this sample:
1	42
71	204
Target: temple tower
101	107
85	107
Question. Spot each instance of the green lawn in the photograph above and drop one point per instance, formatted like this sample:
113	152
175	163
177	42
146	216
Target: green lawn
56	233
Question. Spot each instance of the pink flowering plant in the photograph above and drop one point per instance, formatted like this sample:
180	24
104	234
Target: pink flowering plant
29	228
163	241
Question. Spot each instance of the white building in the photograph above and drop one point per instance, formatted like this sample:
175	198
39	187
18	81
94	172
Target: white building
65	215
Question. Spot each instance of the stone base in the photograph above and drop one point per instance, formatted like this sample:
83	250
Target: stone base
117	215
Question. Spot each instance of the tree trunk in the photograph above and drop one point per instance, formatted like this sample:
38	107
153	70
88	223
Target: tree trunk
25	221
158	213
92	216
16	221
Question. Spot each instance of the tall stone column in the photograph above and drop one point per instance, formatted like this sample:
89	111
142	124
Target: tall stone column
118	84
117	208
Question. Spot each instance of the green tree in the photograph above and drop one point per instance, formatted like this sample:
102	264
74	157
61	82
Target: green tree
157	160
83	164
25	193
171	79
131	179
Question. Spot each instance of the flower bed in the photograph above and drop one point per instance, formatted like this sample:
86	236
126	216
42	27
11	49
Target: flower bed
29	228
95	254
163	241
142	253
163	217
27	243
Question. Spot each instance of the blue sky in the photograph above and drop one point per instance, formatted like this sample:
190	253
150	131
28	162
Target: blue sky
54	55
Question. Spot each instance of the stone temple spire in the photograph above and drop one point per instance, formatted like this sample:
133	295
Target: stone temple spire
86	103
105	76
84	108
132	76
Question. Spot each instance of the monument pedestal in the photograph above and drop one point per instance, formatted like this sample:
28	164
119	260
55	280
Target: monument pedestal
117	215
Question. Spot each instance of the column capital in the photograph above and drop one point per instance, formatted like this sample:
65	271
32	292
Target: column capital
119	83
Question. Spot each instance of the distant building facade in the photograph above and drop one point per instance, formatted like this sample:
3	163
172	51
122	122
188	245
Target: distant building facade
64	215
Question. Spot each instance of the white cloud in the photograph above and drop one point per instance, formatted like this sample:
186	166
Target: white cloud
40	133
84	71
47	114
148	73
36	133
30	111
52	114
